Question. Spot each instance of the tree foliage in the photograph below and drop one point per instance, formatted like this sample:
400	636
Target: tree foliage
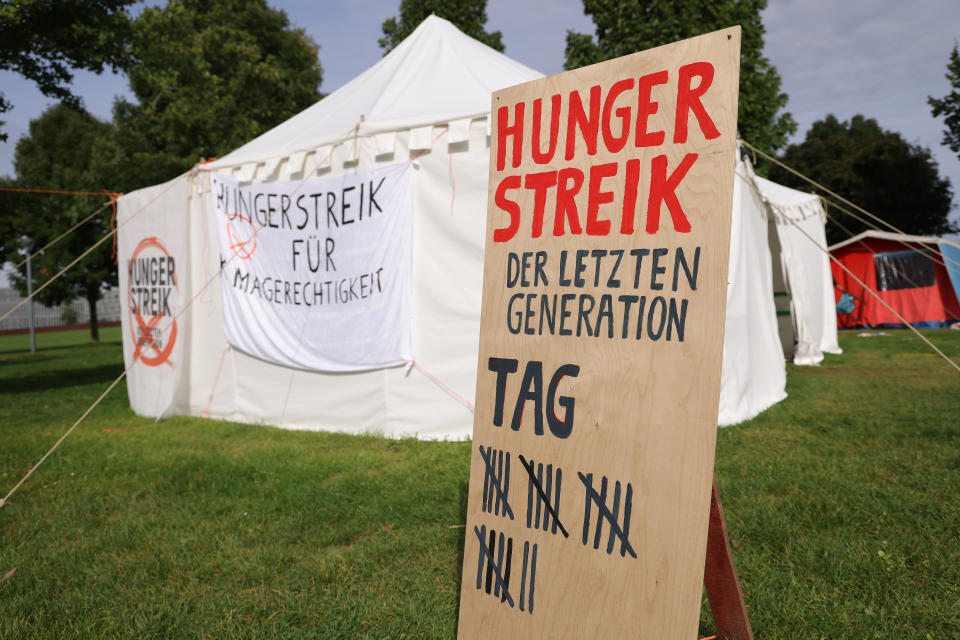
208	77
949	105
635	25
69	149
878	170
43	40
470	16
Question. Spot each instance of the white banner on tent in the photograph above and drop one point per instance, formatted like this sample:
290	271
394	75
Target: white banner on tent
318	273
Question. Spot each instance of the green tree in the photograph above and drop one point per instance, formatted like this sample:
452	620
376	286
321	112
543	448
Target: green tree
878	170
67	149
470	16
949	105
9	201
208	77
43	40
635	25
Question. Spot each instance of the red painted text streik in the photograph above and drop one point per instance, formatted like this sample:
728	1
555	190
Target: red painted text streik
594	118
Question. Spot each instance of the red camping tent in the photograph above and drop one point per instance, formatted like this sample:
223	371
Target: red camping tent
908	272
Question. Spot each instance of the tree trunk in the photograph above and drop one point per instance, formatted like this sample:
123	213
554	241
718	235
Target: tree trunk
92	298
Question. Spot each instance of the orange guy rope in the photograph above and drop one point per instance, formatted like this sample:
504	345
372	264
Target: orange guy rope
112	233
58	191
62	235
439	383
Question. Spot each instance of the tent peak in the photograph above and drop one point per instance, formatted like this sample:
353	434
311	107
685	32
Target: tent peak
435	75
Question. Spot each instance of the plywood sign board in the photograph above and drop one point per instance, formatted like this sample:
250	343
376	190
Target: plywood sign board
600	346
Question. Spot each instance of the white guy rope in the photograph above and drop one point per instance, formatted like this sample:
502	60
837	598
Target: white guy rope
107	390
62	235
861	282
109	235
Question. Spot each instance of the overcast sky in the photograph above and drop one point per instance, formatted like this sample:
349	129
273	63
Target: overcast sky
881	58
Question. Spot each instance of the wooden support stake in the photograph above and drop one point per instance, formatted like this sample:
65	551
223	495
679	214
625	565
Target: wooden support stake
720	579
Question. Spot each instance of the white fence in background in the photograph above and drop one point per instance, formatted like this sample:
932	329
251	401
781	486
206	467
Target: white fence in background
62	315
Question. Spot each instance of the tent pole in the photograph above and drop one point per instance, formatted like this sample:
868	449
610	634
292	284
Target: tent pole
30	316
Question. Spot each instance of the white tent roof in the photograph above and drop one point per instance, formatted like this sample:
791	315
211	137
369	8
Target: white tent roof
889	235
785	201
436	75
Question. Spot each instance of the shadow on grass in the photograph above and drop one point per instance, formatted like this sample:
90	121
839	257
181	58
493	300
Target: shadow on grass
60	378
23	356
945	434
10	354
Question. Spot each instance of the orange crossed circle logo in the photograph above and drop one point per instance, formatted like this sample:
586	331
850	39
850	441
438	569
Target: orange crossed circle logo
150	349
242	235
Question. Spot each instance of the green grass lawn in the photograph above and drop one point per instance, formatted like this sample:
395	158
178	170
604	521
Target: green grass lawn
10	345
843	504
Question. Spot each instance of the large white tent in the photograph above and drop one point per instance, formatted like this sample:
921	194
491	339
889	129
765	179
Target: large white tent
427	103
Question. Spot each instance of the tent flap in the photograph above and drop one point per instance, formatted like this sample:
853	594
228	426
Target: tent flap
799	218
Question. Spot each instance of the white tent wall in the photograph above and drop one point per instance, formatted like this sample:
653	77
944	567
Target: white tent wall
781	294
154	256
800	218
430	399
754	374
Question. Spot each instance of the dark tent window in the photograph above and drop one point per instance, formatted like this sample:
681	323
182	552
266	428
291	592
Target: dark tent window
904	270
